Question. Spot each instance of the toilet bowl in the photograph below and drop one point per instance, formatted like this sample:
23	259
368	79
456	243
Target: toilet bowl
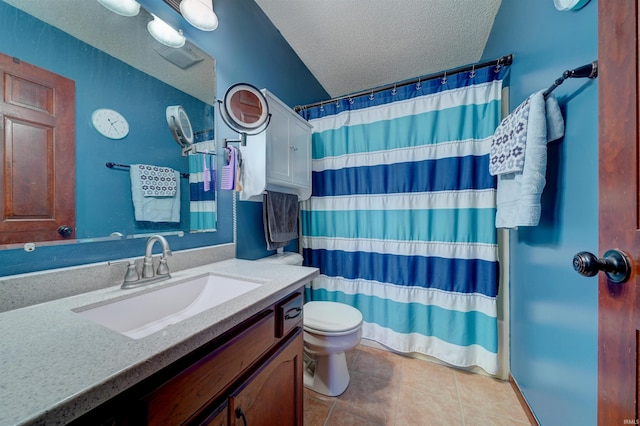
330	330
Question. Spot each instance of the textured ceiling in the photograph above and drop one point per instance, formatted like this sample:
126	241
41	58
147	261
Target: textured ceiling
353	45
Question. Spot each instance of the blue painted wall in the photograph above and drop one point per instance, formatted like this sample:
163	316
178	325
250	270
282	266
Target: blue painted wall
553	310
247	48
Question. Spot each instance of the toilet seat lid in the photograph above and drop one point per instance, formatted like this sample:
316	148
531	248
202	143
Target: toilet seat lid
331	316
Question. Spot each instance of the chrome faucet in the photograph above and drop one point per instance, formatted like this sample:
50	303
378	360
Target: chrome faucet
147	266
132	277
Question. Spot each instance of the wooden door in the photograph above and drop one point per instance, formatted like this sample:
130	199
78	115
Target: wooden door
37	150
619	210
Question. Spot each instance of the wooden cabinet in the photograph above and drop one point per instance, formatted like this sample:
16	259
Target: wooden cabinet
183	396
253	370
219	416
272	396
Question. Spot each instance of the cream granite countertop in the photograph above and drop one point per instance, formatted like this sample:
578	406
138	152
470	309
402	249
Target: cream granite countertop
56	365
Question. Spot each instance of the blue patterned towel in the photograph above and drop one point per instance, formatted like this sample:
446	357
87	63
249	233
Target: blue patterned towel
509	141
157	181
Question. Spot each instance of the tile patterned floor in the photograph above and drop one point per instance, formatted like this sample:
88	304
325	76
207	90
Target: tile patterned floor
388	389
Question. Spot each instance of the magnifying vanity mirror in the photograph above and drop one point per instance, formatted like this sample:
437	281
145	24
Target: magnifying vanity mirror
114	64
245	110
180	127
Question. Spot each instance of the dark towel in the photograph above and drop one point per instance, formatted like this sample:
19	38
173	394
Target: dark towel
280	217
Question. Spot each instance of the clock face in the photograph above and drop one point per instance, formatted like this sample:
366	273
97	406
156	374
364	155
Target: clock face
110	123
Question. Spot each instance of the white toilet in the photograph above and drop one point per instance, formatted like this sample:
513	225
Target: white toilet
330	330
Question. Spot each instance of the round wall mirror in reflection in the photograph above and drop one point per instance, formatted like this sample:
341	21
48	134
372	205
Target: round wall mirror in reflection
180	126
245	109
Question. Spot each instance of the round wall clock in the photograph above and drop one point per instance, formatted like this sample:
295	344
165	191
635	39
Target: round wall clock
565	5
110	123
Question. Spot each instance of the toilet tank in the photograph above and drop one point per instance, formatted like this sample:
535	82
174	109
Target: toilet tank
285	258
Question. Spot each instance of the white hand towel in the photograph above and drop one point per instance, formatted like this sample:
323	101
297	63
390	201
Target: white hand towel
518	195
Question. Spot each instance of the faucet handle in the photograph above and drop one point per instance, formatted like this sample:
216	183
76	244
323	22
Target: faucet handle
132	273
163	267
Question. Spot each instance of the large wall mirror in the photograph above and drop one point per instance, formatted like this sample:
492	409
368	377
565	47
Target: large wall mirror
116	65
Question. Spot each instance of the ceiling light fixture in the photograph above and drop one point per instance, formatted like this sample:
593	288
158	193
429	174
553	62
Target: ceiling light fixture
200	14
122	7
164	33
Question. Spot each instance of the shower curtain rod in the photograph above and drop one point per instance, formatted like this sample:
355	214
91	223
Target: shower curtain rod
504	60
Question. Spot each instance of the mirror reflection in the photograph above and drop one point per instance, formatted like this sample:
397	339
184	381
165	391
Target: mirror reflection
245	109
114	65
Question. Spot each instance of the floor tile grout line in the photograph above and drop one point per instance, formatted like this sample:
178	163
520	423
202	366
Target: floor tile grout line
458	395
333	407
399	392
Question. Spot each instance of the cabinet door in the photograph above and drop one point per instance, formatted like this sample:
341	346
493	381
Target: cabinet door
218	417
273	395
278	152
300	152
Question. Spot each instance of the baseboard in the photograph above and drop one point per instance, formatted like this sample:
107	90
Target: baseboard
523	401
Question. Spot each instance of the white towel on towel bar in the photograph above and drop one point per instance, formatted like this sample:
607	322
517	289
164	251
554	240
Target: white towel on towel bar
518	194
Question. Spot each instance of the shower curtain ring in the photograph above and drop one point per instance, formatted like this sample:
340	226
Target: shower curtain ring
394	91
472	74
444	79
497	70
351	101
418	84
371	97
337	104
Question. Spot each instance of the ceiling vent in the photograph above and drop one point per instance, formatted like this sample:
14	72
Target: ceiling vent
183	57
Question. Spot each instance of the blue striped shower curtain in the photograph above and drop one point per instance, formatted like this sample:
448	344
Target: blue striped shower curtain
202	206
401	218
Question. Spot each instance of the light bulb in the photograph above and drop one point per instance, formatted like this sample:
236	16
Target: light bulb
122	7
200	14
165	33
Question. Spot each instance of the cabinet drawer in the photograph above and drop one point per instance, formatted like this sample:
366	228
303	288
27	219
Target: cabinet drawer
187	393
288	314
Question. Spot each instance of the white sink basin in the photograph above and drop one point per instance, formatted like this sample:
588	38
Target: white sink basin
146	313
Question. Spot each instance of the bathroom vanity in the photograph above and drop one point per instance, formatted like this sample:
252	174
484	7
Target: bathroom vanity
241	359
253	370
